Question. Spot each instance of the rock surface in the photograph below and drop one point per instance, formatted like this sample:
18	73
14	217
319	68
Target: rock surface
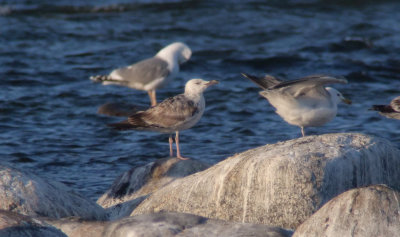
16	225
281	184
166	225
77	227
28	194
370	211
133	186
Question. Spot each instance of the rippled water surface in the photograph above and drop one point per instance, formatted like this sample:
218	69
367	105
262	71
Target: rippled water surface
48	50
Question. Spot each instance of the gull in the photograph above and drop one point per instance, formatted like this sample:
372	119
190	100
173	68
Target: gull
303	102
149	74
171	115
391	110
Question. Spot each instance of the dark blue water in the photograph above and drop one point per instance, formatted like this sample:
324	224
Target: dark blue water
48	50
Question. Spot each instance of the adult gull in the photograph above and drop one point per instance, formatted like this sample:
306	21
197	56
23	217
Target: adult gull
391	110
303	102
149	74
171	115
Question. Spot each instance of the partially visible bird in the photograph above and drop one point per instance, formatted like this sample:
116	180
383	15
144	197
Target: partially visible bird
303	102
173	114
391	110
152	73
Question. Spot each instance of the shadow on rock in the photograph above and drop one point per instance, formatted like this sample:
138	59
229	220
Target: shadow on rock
133	186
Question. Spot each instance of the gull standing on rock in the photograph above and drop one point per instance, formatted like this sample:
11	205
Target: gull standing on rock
303	102
152	73
173	114
391	110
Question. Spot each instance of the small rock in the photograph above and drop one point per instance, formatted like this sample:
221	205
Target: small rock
16	225
133	186
370	211
281	184
28	194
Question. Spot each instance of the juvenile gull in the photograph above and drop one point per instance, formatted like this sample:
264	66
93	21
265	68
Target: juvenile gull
303	102
391	110
152	73
173	114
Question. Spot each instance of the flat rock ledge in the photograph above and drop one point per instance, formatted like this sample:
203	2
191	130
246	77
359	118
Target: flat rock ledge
25	193
133	186
16	225
166	225
281	184
369	211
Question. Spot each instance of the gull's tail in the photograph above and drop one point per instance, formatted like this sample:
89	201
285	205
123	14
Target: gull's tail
264	82
107	80
101	78
133	122
124	125
382	108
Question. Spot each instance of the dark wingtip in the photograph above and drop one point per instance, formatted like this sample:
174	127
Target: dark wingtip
382	108
372	109
247	75
263	82
124	125
96	78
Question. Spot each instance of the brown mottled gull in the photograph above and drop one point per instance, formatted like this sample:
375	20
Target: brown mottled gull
152	73
391	110
303	102
173	114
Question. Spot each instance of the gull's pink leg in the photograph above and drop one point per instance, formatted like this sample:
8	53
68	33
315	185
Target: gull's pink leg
152	95
178	153
171	151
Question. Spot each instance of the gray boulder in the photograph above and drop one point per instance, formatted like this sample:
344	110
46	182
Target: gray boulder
370	211
28	194
133	186
166	225
281	184
16	225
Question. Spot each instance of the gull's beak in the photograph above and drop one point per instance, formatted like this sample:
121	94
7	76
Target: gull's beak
346	101
210	83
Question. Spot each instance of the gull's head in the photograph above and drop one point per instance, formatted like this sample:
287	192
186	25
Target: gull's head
178	50
337	97
198	86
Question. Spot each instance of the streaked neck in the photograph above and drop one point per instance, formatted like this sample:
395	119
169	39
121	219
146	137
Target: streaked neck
195	96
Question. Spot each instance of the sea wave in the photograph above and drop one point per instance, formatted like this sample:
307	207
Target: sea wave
79	8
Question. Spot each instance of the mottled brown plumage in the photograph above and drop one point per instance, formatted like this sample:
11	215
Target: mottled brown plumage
173	114
390	111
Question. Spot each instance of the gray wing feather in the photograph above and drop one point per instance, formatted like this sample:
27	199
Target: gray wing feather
308	87
144	71
311	81
171	112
